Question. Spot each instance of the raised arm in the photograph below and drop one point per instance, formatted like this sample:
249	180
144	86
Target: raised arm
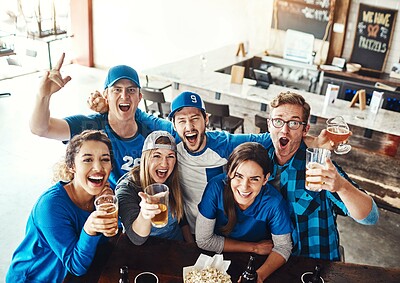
41	123
360	205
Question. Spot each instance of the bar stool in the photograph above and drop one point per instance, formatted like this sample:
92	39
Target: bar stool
221	119
154	102
261	123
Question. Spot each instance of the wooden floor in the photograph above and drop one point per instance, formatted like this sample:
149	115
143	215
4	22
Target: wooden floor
27	160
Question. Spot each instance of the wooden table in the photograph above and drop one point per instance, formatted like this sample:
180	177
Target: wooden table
167	259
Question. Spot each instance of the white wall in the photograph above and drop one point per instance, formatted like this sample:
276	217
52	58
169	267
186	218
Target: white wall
149	33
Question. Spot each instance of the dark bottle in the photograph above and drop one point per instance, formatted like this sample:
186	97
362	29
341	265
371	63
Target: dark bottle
250	274
123	274
315	278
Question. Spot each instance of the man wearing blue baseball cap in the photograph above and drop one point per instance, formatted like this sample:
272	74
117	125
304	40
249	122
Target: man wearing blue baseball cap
122	94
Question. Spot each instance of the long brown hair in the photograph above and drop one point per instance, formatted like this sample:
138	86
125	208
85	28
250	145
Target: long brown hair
248	151
141	176
62	170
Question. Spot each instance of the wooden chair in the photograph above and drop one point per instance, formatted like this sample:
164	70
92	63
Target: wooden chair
261	123
221	119
154	102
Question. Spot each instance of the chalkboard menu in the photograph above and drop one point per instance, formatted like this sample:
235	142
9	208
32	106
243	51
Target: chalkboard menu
374	32
310	16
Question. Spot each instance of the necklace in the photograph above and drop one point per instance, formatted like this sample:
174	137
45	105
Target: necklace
85	205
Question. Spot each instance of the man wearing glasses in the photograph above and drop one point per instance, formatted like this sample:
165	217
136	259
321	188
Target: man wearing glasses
122	94
313	212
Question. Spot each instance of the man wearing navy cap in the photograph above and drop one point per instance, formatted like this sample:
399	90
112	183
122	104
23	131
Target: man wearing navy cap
122	94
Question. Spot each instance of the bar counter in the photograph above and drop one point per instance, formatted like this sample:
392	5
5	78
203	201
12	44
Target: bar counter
167	258
201	75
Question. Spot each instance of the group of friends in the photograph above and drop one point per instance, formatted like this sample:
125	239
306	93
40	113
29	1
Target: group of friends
228	192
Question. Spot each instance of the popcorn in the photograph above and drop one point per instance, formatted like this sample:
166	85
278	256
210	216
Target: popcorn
208	270
207	275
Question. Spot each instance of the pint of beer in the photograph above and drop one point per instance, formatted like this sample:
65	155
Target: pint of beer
108	203
316	158
158	194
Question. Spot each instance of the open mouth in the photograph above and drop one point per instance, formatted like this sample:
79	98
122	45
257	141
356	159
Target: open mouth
96	179
283	141
191	138
124	107
244	194
161	173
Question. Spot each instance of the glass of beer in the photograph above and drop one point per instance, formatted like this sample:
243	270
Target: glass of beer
316	158
108	203
158	194
338	132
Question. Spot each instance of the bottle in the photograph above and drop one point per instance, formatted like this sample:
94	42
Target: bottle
250	274
316	275
123	274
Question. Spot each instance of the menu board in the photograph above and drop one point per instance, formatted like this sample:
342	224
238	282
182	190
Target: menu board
309	16
374	30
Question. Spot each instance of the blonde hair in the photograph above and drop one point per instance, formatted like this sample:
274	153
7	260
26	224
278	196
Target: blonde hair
141	175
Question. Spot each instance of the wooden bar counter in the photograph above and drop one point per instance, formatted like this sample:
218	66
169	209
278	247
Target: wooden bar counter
167	258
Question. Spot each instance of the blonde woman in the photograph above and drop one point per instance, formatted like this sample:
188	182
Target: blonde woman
158	165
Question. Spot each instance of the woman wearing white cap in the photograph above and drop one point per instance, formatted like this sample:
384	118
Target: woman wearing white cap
158	165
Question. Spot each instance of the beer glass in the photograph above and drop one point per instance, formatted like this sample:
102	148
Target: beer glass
338	131
316	158
108	203
158	194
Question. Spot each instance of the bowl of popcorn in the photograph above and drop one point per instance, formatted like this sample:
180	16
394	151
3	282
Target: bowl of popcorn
208	270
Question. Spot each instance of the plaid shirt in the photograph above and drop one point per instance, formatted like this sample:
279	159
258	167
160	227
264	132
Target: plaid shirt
313	213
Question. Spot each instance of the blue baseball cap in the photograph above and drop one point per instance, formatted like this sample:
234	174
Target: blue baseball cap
186	99
121	72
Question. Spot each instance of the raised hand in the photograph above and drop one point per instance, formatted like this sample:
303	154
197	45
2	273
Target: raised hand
97	102
52	80
99	222
148	210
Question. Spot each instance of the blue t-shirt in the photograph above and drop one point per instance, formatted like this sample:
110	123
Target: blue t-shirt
267	215
127	152
55	241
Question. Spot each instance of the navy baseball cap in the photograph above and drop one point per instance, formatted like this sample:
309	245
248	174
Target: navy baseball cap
186	99
121	72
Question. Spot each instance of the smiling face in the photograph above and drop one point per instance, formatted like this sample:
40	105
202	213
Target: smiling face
123	99
190	125
286	141
246	182
161	164
92	166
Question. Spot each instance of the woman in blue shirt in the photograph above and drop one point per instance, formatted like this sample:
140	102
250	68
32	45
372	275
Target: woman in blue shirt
63	229
240	212
157	165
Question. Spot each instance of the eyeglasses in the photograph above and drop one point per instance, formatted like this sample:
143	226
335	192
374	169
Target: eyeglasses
292	124
128	90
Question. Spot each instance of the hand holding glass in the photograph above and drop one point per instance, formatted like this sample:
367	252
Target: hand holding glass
338	131
158	194
108	203
316	158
